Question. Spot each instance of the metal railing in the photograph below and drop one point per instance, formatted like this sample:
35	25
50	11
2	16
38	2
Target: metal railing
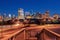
41	35
57	36
25	34
15	35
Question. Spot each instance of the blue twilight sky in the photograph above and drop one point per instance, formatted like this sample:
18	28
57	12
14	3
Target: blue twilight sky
11	6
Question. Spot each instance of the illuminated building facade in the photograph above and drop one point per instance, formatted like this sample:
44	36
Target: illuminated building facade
20	13
55	16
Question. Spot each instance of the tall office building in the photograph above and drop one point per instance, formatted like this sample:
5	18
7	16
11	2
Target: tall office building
4	17
28	15
1	18
9	16
21	13
47	14
55	16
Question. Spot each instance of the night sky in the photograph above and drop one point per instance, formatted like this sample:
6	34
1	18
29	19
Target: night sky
11	6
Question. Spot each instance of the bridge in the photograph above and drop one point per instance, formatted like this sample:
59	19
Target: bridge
45	32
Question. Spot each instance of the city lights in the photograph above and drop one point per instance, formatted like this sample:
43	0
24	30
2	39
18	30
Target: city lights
16	24
30	20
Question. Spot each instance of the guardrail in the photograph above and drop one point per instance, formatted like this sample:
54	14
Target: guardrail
42	33
14	36
23	33
55	34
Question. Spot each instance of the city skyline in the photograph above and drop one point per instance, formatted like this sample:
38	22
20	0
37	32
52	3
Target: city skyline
11	6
